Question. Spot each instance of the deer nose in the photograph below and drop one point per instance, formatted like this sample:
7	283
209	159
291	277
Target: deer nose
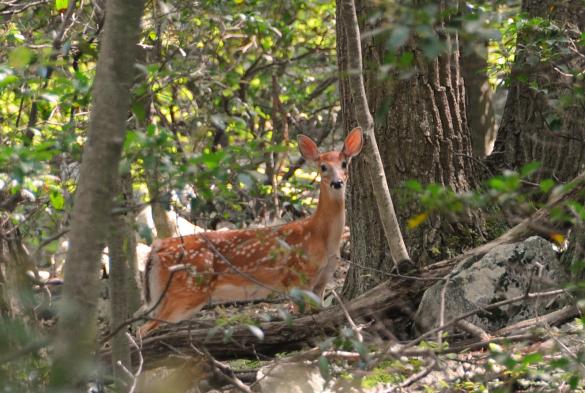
336	184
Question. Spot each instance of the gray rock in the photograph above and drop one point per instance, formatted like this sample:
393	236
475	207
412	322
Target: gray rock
505	272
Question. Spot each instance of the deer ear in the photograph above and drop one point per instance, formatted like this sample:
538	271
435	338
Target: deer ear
353	143
308	148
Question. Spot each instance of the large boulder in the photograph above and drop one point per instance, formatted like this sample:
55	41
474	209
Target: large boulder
507	271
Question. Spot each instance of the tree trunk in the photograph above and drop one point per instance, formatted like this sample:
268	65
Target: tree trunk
122	282
76	330
165	227
16	295
544	112
422	134
479	94
133	283
347	16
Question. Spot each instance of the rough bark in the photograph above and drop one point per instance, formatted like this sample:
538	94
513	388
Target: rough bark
544	112
76	331
422	134
346	14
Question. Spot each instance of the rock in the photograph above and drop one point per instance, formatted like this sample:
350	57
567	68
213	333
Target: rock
290	378
505	272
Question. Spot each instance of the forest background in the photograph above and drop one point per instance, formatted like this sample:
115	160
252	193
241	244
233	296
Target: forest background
477	108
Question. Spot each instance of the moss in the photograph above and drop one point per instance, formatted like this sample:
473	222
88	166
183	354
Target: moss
245	364
391	371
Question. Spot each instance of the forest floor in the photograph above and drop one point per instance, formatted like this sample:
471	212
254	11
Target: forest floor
542	362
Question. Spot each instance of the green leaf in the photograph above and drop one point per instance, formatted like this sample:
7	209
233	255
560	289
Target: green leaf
413	185
546	185
324	367
61	5
57	200
139	111
19	57
7	78
529	168
532	358
398	37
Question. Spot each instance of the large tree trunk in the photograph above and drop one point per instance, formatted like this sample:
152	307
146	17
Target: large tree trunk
422	134
543	117
76	333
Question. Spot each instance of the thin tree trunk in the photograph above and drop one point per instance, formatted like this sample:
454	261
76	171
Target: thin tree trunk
17	301
117	243
163	224
76	330
133	285
364	118
122	285
479	95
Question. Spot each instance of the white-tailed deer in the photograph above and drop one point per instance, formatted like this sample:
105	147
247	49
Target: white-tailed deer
184	274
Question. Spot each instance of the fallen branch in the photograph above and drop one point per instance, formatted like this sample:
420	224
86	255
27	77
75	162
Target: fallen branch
553	318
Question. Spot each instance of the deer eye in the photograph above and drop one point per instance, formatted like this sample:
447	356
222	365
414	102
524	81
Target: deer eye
344	164
324	168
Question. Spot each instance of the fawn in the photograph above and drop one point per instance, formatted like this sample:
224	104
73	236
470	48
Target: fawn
183	274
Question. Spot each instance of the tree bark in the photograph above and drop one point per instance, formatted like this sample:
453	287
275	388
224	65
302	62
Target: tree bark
165	227
479	95
122	282
76	330
544	112
117	281
422	133
346	14
16	295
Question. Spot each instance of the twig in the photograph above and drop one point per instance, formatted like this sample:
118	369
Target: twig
473	329
140	363
484	343
442	309
420	375
48	240
354	327
222	369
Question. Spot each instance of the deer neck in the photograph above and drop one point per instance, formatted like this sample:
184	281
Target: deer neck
329	219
